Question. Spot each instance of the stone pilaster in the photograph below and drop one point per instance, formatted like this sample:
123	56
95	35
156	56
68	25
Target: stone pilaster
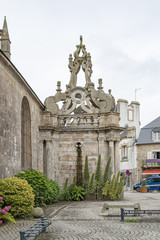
117	157
111	153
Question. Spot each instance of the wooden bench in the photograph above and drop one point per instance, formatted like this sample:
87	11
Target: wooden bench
34	231
106	207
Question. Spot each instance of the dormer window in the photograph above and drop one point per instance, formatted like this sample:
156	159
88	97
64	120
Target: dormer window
156	135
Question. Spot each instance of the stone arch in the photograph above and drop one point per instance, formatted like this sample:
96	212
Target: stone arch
26	151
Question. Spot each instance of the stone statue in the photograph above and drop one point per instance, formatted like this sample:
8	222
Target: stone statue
87	68
74	67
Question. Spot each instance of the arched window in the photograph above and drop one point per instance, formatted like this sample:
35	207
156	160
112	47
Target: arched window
26	153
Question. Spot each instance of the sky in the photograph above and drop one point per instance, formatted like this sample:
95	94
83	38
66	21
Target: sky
122	36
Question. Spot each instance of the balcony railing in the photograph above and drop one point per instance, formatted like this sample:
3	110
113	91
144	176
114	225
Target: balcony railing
83	121
152	160
151	163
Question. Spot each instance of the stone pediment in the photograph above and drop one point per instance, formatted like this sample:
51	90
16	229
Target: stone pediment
77	99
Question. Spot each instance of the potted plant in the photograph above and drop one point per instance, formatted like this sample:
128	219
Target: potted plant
143	188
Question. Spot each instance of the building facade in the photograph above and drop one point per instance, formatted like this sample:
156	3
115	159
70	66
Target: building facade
130	121
148	150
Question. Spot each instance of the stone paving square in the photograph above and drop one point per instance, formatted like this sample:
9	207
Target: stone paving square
82	220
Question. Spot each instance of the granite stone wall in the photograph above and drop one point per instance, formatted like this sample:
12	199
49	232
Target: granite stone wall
12	90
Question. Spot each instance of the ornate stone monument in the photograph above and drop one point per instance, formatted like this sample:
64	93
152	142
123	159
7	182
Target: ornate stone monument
86	124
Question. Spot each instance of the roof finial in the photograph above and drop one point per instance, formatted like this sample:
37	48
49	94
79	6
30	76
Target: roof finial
5	40
81	40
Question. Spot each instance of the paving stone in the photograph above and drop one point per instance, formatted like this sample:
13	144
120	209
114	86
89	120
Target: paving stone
82	220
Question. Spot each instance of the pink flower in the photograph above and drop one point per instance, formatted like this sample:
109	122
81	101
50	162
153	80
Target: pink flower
9	207
3	212
1	198
6	208
1	222
41	197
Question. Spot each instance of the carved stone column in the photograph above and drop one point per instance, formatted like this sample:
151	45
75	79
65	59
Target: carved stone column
111	153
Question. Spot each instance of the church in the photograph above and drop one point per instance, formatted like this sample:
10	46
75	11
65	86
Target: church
52	139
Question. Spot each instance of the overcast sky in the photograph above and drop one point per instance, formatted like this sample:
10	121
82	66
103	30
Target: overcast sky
122	36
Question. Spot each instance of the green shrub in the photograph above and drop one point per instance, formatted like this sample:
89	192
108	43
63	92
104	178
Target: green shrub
52	191
18	194
76	193
72	193
38	182
113	189
46	191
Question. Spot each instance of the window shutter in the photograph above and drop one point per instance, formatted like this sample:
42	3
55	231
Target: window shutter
149	155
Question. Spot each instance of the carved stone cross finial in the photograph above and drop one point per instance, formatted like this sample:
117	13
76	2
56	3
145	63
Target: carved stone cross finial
81	40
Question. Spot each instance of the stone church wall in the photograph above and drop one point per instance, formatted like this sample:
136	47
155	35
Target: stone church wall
12	90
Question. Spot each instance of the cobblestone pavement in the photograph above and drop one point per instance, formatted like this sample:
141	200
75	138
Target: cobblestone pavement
82	220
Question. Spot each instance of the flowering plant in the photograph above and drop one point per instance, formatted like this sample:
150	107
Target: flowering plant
4	213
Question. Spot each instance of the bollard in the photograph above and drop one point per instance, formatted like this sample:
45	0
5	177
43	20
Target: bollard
22	233
122	214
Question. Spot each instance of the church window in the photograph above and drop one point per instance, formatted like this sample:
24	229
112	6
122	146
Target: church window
26	153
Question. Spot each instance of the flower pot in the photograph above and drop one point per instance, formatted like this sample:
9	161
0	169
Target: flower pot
143	189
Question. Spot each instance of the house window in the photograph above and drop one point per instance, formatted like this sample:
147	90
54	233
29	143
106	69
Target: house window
156	155
26	153
130	115
124	153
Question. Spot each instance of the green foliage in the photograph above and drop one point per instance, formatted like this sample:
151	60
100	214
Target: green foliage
98	172
65	184
121	186
144	182
106	176
113	189
74	180
76	193
7	217
52	191
46	191
116	182
72	193
131	220
105	188
111	186
86	174
91	184
18	194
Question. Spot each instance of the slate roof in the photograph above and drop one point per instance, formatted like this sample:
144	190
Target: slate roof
145	136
